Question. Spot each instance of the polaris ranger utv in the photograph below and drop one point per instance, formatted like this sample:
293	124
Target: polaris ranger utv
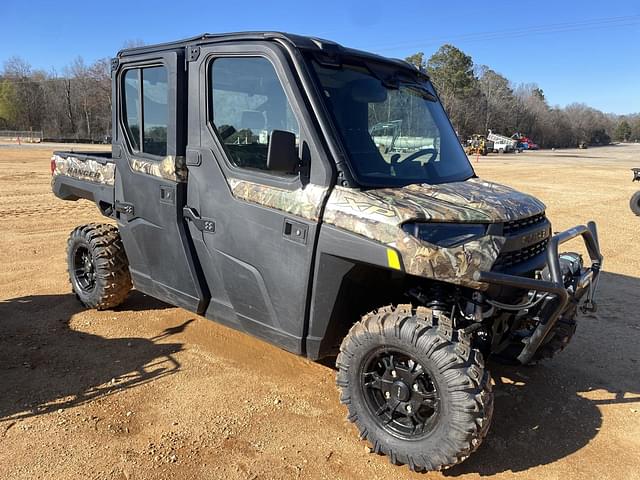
253	180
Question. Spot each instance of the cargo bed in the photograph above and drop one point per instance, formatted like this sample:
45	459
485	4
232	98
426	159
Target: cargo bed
88	175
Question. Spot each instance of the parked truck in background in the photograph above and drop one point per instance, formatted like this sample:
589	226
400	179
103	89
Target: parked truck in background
502	144
317	197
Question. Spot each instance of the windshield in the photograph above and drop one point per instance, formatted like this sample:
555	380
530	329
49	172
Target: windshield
394	129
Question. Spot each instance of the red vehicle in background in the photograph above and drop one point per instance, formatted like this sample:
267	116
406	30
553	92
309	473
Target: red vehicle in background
524	142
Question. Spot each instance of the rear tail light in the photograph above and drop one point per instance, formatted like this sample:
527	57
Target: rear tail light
53	165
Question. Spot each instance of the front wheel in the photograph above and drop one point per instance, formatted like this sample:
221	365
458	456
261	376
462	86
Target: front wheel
635	203
415	389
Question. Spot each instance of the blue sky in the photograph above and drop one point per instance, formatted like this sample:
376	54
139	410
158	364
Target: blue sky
577	51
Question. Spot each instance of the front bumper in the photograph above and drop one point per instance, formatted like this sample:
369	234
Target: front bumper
586	283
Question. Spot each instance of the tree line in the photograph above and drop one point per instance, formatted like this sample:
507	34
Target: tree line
72	105
75	104
478	98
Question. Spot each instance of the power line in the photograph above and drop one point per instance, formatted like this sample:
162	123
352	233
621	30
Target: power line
621	21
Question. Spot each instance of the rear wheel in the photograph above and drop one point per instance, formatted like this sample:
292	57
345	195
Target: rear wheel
635	203
98	266
415	389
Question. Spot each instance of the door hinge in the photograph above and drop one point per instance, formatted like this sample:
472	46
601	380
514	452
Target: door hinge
124	207
193	52
207	225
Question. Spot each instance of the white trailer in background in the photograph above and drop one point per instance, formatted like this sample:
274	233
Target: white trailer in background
502	144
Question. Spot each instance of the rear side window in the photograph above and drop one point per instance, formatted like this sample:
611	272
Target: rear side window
132	107
146	109
248	103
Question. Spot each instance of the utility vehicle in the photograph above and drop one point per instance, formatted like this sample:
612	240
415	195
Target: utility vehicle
634	203
317	197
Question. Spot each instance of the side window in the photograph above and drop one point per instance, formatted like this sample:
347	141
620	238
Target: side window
146	109
132	107
155	106
248	103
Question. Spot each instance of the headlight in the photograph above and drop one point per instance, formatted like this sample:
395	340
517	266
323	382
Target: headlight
445	234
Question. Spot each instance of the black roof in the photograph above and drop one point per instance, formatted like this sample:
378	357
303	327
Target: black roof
298	41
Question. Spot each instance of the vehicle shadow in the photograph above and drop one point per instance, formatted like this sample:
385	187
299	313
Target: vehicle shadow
45	365
544	413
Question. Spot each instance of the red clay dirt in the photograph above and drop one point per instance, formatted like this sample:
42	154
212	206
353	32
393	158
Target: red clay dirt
149	391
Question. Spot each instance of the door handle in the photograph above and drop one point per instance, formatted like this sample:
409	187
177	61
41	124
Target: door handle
295	231
207	225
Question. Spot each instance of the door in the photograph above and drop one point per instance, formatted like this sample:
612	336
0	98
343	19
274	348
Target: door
254	229
151	182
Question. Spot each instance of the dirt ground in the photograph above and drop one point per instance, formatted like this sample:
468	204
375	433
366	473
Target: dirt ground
152	391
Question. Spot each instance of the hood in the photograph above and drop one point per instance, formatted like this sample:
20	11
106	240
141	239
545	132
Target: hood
473	200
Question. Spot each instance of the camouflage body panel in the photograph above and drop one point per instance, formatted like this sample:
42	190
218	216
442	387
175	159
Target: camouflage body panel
472	201
303	202
379	215
84	169
171	167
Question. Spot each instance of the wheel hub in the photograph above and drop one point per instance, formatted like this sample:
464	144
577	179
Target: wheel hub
400	390
400	393
84	270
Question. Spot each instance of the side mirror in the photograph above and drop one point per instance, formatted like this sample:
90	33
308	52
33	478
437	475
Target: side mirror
282	155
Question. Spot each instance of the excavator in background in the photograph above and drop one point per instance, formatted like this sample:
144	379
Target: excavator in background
478	144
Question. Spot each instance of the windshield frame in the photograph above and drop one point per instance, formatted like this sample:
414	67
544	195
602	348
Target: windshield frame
409	78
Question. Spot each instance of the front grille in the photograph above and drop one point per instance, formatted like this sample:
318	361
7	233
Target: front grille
512	227
508	259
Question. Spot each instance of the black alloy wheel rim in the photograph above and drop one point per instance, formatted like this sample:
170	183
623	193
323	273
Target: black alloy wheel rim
400	394
84	269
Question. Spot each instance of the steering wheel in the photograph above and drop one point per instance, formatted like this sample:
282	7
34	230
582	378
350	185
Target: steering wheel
420	153
409	168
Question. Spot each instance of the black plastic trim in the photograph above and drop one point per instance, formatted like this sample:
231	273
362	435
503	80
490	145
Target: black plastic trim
555	286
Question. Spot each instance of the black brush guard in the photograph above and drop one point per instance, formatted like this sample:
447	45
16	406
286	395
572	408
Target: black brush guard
587	282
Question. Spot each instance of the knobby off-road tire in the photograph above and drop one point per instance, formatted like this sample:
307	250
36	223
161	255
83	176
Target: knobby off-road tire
405	356
98	266
634	203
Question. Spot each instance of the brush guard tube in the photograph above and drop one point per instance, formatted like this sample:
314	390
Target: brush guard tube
587	283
